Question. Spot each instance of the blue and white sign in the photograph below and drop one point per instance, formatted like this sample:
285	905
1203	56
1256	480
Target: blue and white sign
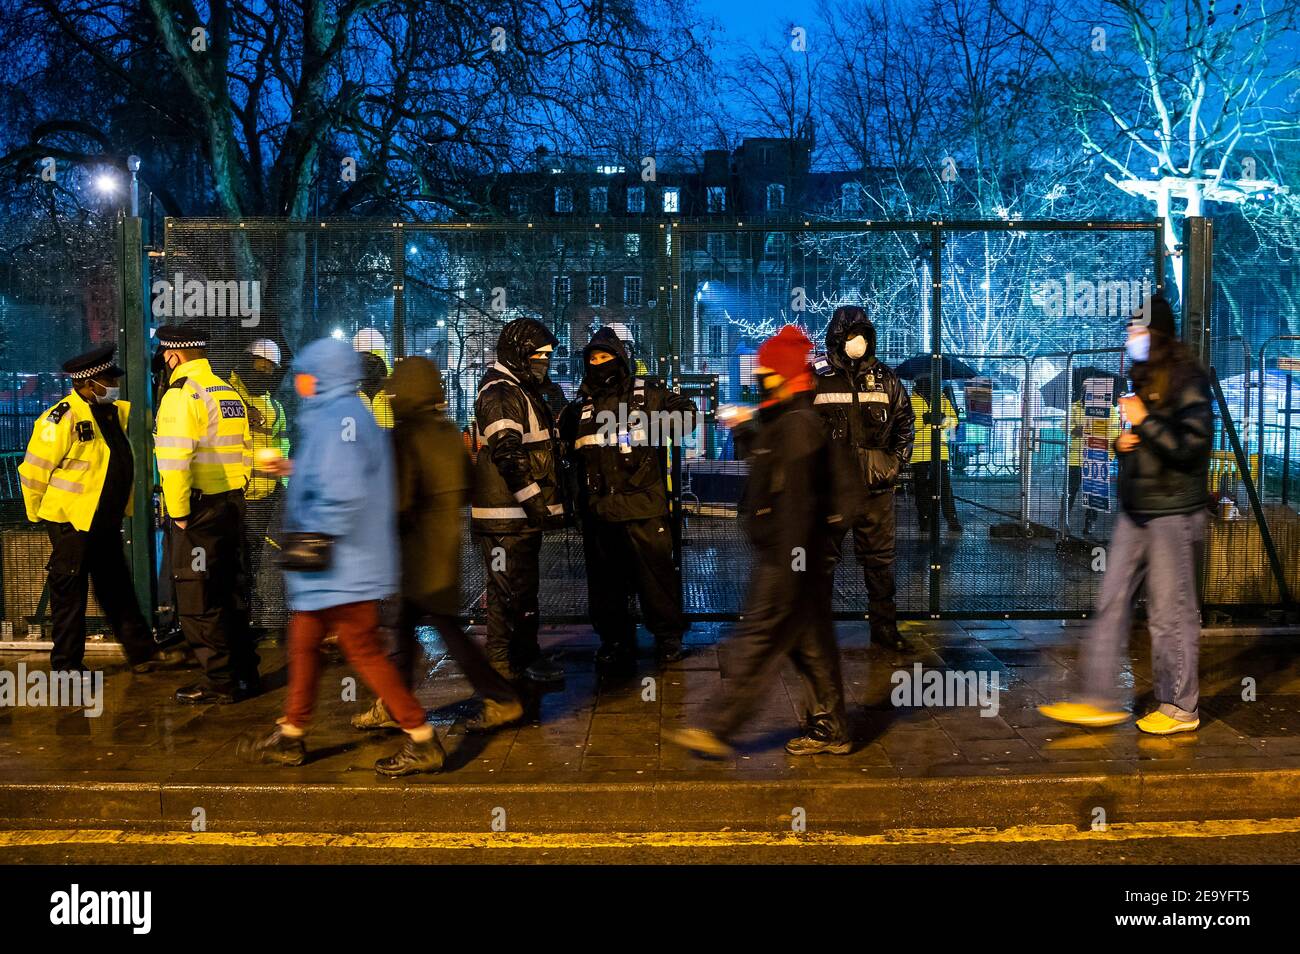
1098	399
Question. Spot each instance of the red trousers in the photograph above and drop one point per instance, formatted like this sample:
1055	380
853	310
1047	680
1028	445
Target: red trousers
357	627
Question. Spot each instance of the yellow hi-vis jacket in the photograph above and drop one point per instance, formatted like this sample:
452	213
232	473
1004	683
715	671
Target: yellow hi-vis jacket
381	407
62	474
1079	430
266	424
201	441
924	432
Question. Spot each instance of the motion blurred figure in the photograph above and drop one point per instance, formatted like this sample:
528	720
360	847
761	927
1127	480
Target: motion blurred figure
1163	473
433	483
788	509
341	494
923	476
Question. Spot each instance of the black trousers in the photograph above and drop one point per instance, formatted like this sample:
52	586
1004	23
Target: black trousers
787	616
626	558
78	557
473	662
923	482
209	563
513	569
874	546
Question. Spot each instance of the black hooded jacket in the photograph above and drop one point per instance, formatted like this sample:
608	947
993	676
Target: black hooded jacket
865	405
516	488
620	459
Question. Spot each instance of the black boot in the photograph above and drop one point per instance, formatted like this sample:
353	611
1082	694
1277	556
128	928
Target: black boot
495	715
822	735
199	694
890	638
670	651
412	758
275	746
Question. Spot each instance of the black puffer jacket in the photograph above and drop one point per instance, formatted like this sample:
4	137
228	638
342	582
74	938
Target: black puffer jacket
620	459
865	405
433	482
1168	472
515	488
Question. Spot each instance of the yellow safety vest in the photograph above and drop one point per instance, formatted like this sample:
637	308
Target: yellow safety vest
62	475
266	424
1080	420
924	432
381	407
201	441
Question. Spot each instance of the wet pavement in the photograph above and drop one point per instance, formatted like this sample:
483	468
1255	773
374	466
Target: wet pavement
591	729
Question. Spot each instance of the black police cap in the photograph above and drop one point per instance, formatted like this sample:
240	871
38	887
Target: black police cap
188	336
96	362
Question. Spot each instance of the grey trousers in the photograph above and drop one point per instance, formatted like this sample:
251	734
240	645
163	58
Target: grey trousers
1163	552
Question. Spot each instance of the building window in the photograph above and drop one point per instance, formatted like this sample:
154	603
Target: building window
765	155
775	197
774	245
636	199
563	199
672	200
850	197
561	290
715	243
717	199
632	290
518	202
632	243
598	200
596	290
715	340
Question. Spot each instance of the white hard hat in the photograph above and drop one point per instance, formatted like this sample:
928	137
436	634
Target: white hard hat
265	348
368	339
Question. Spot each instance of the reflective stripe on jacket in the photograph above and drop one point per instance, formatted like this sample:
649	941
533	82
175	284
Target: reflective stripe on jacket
924	432
517	461
201	441
62	475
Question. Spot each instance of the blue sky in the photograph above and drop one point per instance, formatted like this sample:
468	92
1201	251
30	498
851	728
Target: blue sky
747	21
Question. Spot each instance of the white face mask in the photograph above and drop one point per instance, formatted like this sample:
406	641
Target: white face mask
110	395
1139	346
855	347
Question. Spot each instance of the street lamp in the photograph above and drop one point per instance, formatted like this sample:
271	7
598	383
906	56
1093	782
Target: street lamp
133	165
106	183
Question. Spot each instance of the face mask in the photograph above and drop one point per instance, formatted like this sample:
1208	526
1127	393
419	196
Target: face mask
601	375
539	367
110	395
1138	347
855	347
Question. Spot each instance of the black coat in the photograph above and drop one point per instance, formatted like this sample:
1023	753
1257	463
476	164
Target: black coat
628	480
516	486
1168	471
433	484
867	409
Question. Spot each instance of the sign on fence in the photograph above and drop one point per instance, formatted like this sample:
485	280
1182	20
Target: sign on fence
1098	399
979	401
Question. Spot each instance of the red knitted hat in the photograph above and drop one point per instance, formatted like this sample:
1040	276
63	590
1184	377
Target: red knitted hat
786	352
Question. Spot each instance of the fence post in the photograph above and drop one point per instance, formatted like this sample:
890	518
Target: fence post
133	333
936	401
399	292
1198	289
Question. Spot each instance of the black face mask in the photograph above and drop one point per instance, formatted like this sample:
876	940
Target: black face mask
601	376
539	367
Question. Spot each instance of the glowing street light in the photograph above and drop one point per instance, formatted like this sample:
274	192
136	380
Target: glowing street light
106	183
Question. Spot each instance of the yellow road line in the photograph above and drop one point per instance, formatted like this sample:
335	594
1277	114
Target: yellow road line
428	840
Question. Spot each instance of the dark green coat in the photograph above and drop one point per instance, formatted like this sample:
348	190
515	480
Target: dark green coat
434	479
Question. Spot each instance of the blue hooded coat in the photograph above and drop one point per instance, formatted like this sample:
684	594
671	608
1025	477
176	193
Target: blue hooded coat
343	485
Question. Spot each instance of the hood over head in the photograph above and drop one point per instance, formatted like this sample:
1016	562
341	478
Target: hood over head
519	339
416	385
334	365
847	321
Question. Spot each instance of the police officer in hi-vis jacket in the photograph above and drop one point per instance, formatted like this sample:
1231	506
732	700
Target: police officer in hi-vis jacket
76	481
205	454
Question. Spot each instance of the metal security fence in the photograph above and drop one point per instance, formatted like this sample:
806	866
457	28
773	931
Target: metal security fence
1005	321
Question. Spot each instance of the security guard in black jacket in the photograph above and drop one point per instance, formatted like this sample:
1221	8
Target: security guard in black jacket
870	418
516	495
618	432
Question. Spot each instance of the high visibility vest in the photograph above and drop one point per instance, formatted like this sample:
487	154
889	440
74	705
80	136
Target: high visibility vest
266	424
202	441
1078	419
381	407
62	474
924	432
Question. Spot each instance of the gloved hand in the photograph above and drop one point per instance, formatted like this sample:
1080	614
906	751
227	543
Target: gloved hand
535	510
929	418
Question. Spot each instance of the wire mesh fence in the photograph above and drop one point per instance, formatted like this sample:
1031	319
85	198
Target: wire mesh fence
1028	313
